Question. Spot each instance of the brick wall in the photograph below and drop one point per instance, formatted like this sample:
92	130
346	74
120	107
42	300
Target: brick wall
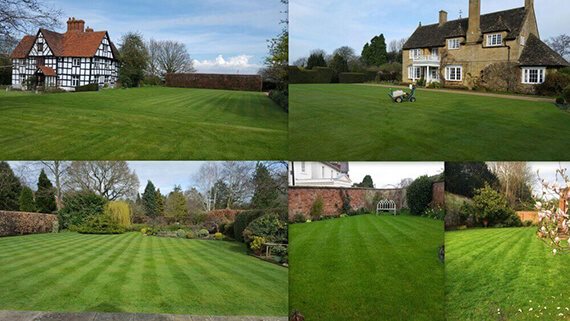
215	81
19	223
528	216
438	194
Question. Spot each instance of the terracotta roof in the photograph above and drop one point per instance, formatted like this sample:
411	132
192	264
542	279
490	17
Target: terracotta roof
537	53
69	44
47	71
435	35
22	49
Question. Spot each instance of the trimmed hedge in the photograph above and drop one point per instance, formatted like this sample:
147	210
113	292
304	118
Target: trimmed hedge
351	77
215	81
317	75
19	223
90	87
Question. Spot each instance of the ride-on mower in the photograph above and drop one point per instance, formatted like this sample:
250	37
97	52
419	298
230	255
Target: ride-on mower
399	96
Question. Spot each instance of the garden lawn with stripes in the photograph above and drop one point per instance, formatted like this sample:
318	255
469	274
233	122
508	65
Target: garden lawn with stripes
154	123
367	268
361	122
505	274
70	272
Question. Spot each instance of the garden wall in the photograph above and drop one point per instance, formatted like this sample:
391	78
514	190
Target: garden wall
215	81
438	194
19	223
528	216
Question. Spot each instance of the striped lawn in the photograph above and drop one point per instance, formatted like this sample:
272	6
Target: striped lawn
364	124
145	123
492	273
133	273
367	268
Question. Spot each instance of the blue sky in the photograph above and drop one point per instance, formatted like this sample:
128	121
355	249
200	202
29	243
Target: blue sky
329	24
222	35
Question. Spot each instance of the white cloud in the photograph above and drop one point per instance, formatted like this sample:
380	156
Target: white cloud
233	65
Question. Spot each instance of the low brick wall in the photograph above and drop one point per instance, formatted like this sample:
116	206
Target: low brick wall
301	199
528	216
215	81
19	223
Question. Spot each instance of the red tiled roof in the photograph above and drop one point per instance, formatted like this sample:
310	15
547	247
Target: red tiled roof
23	48
69	44
47	71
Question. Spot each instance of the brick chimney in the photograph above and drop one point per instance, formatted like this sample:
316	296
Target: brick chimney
75	25
442	17
474	28
88	29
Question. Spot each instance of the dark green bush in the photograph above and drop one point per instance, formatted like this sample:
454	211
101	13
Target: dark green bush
90	87
351	77
269	226
100	224
554	84
491	208
317	208
566	94
419	195
281	98
79	206
242	221
229	230
318	75
299	218
560	100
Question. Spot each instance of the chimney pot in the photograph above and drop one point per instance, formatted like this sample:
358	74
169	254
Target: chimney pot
75	25
442	17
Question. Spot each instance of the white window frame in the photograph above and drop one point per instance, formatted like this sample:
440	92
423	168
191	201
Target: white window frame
453	44
494	40
414	72
75	80
523	40
528	75
455	69
415	53
434	52
76	62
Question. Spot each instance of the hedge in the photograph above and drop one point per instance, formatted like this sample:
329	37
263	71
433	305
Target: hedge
317	75
351	77
243	219
215	81
19	223
90	87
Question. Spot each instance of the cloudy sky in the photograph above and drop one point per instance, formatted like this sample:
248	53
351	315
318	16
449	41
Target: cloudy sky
329	24
546	171
223	36
390	174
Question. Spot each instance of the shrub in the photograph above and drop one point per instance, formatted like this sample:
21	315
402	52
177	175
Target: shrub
181	233
203	233
281	98
55	226
299	218
317	208
90	87
492	208
80	206
100	224
268	226
26	200
346	207
219	236
528	223
257	244
190	235
229	230
351	77
421	82
343	215
318	75
554	84
242	221
435	213
390	72
119	212
419	195
19	223
434	85
566	94
560	100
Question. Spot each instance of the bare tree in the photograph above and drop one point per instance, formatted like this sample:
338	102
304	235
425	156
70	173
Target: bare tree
237	176
405	182
168	56
206	178
110	179
560	44
515	179
19	17
58	171
301	62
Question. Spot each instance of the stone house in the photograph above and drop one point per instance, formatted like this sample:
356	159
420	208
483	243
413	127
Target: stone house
479	51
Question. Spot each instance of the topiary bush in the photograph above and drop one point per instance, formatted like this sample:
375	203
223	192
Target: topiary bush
257	244
190	235
203	233
100	224
219	236
419	195
78	207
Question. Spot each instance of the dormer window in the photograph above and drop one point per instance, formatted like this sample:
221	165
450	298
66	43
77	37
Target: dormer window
494	40
415	53
453	44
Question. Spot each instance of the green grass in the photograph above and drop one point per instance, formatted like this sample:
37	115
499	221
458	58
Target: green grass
506	269
133	273
145	123
361	122
367	268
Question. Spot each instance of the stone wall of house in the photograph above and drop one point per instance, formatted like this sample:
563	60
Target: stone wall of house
20	223
215	81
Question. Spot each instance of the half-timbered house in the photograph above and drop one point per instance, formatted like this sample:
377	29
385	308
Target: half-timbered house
78	57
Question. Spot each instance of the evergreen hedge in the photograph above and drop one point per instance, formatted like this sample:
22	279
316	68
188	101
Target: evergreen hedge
317	75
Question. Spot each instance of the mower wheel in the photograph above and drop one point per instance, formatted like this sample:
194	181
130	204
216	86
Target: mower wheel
399	99
413	99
